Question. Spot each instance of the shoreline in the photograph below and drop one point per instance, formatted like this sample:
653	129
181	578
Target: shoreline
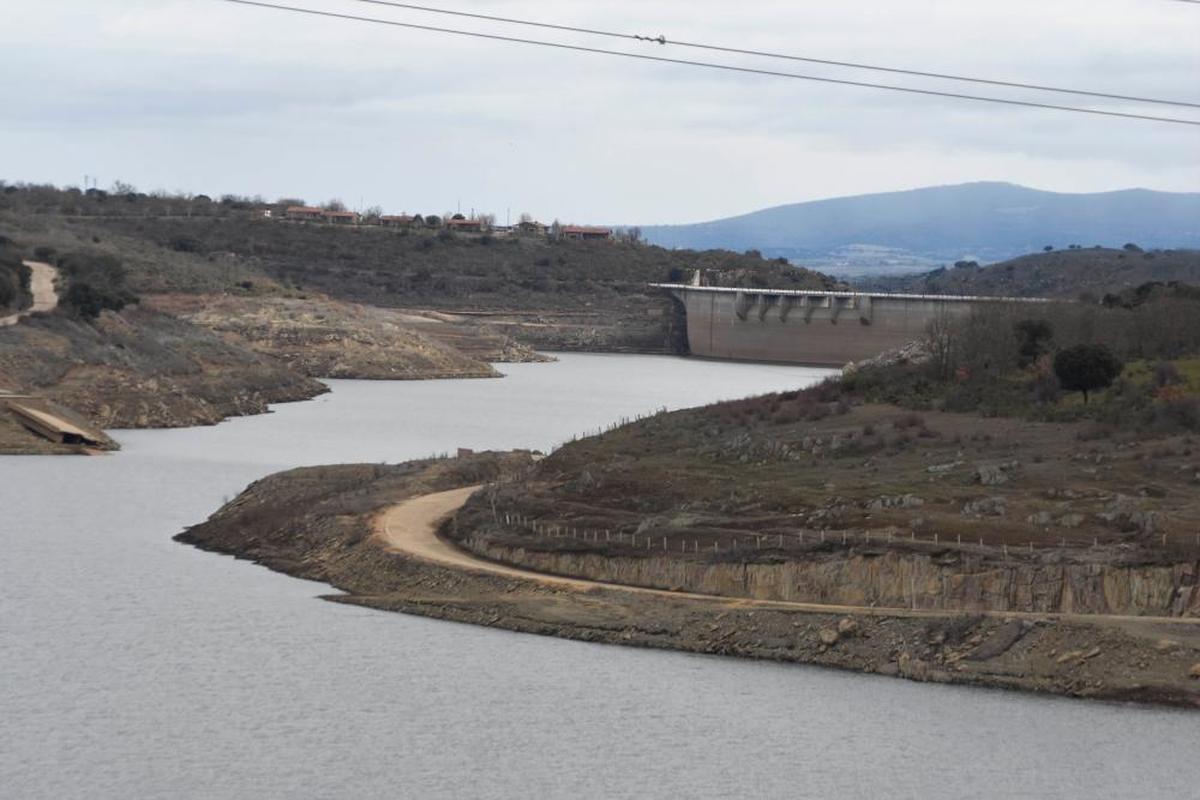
314	539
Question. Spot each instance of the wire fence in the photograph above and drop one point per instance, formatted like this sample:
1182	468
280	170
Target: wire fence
730	541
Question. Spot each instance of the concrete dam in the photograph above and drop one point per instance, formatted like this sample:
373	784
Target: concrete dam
799	326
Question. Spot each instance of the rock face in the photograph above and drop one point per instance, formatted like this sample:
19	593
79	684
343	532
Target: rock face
143	369
896	580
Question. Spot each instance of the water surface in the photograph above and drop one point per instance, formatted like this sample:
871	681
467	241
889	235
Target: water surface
135	667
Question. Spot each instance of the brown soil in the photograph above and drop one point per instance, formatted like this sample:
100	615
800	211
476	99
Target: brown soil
326	338
320	523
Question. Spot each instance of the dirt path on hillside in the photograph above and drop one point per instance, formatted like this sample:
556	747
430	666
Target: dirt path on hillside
411	528
41	284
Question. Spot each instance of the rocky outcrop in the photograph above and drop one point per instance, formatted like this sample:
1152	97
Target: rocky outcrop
894	579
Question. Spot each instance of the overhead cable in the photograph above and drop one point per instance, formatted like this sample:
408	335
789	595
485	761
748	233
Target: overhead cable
713	65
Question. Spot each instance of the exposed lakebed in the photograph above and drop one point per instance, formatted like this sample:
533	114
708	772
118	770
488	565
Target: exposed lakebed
132	666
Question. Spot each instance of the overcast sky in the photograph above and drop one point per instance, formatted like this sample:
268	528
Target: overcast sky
204	96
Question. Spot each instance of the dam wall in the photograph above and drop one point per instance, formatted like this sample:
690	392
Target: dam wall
811	327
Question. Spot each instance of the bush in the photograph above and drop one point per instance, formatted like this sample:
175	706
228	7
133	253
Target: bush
1177	414
1086	367
95	283
1033	340
1166	374
186	244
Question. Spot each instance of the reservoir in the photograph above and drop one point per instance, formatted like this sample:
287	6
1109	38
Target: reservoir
135	667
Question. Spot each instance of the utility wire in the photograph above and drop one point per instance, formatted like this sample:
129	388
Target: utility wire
712	65
662	40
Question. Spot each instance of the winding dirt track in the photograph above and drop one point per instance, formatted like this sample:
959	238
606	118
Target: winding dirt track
411	528
41	284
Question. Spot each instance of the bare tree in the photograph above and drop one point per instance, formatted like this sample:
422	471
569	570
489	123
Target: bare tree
940	333
334	205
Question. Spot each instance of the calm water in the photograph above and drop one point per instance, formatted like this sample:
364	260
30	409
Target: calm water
134	667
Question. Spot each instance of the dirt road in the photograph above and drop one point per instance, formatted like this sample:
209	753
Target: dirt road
41	284
411	528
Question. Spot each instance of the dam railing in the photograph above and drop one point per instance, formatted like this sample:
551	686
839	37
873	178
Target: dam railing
852	293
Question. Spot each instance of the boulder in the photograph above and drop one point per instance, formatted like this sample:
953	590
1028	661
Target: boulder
986	507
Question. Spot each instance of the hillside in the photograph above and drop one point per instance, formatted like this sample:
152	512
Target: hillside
143	369
565	295
922	228
1067	274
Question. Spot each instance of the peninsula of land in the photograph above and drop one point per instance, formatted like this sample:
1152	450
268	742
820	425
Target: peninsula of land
397	538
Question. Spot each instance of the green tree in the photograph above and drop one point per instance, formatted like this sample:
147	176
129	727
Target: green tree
1086	367
1033	340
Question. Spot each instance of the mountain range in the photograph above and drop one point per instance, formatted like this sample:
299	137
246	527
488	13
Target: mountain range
921	229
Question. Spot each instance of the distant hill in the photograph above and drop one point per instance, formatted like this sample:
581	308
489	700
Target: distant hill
925	228
1062	273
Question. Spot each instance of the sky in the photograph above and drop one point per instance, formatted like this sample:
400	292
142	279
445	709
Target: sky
203	96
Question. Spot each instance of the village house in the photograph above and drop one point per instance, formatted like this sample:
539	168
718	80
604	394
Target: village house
307	213
585	232
530	227
399	221
341	217
465	225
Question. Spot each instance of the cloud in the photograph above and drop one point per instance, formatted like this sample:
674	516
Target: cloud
213	97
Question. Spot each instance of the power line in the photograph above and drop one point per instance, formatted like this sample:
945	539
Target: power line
713	65
662	40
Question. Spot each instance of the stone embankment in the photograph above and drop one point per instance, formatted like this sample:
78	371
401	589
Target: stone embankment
946	581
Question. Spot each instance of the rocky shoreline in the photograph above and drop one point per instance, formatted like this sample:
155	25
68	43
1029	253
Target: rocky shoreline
317	523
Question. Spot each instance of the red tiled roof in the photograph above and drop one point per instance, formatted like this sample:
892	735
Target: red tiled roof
303	210
586	229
